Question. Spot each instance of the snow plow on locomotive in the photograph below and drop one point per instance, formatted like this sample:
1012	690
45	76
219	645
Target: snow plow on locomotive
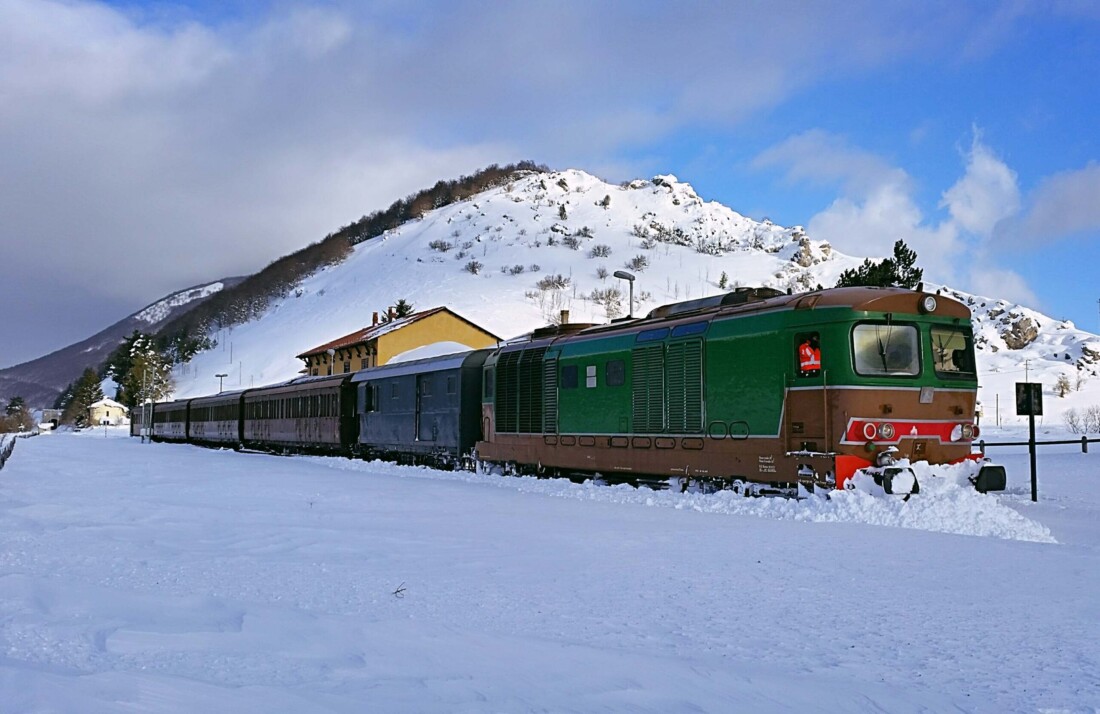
755	390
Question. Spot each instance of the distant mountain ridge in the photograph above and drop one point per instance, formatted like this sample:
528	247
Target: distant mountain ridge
41	380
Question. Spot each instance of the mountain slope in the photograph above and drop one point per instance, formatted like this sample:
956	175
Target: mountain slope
41	380
513	257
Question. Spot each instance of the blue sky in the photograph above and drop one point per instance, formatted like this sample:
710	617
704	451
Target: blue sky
150	146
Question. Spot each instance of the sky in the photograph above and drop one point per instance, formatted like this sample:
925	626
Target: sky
151	146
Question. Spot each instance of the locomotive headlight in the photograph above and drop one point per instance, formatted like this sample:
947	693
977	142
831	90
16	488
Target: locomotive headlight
870	431
928	303
968	431
957	432
886	431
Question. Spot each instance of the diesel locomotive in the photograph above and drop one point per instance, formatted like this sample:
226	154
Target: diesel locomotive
756	390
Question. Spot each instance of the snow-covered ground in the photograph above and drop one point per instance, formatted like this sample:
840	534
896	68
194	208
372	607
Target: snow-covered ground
168	578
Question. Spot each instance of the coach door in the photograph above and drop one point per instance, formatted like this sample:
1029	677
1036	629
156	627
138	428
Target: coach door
426	429
807	409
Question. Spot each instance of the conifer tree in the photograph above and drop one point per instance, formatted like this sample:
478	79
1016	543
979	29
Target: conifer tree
899	270
147	375
86	392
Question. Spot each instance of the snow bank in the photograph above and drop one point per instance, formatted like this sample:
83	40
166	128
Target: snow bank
947	503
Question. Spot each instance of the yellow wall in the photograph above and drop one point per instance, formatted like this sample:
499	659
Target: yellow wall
440	327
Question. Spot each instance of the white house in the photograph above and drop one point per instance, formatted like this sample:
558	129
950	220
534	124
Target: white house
109	412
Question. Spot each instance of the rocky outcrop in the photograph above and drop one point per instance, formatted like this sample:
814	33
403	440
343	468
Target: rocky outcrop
1021	334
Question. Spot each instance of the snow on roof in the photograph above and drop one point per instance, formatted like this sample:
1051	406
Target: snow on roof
375	331
110	403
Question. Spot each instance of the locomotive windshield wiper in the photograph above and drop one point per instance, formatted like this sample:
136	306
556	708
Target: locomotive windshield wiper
883	347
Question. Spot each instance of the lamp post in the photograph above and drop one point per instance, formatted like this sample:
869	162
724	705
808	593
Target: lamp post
220	377
623	275
331	358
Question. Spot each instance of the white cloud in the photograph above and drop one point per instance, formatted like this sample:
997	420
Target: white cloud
823	158
1063	205
157	144
1004	284
987	192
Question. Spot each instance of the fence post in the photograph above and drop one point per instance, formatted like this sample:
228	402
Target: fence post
1085	444
981	447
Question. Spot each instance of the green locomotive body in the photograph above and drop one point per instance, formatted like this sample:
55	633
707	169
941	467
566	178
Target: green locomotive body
729	389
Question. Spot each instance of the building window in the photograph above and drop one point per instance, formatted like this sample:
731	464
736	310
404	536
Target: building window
363	364
347	365
314	372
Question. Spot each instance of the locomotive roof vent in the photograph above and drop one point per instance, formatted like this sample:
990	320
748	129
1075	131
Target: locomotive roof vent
737	297
566	329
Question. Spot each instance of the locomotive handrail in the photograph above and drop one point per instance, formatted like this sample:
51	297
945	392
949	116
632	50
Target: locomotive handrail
1084	441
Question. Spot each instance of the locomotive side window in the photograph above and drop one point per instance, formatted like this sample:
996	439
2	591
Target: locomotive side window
883	349
569	377
615	373
490	382
808	354
952	352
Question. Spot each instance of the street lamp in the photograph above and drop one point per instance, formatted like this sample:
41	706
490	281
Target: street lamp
623	275
331	358
220	377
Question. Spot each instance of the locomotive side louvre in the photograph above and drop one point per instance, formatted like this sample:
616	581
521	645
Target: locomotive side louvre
424	410
721	393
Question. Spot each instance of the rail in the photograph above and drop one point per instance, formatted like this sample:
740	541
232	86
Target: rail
1084	441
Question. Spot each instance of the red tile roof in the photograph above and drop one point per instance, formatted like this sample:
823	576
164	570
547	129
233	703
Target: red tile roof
375	331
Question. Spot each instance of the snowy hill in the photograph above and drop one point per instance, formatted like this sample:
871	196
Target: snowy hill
511	258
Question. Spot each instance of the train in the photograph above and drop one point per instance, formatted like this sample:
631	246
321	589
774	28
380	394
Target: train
757	390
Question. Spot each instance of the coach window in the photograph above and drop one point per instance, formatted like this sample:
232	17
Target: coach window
452	384
615	373
569	376
426	387
393	390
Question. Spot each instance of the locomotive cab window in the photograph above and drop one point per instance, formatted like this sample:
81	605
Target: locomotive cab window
569	376
953	352
886	349
808	354
490	382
